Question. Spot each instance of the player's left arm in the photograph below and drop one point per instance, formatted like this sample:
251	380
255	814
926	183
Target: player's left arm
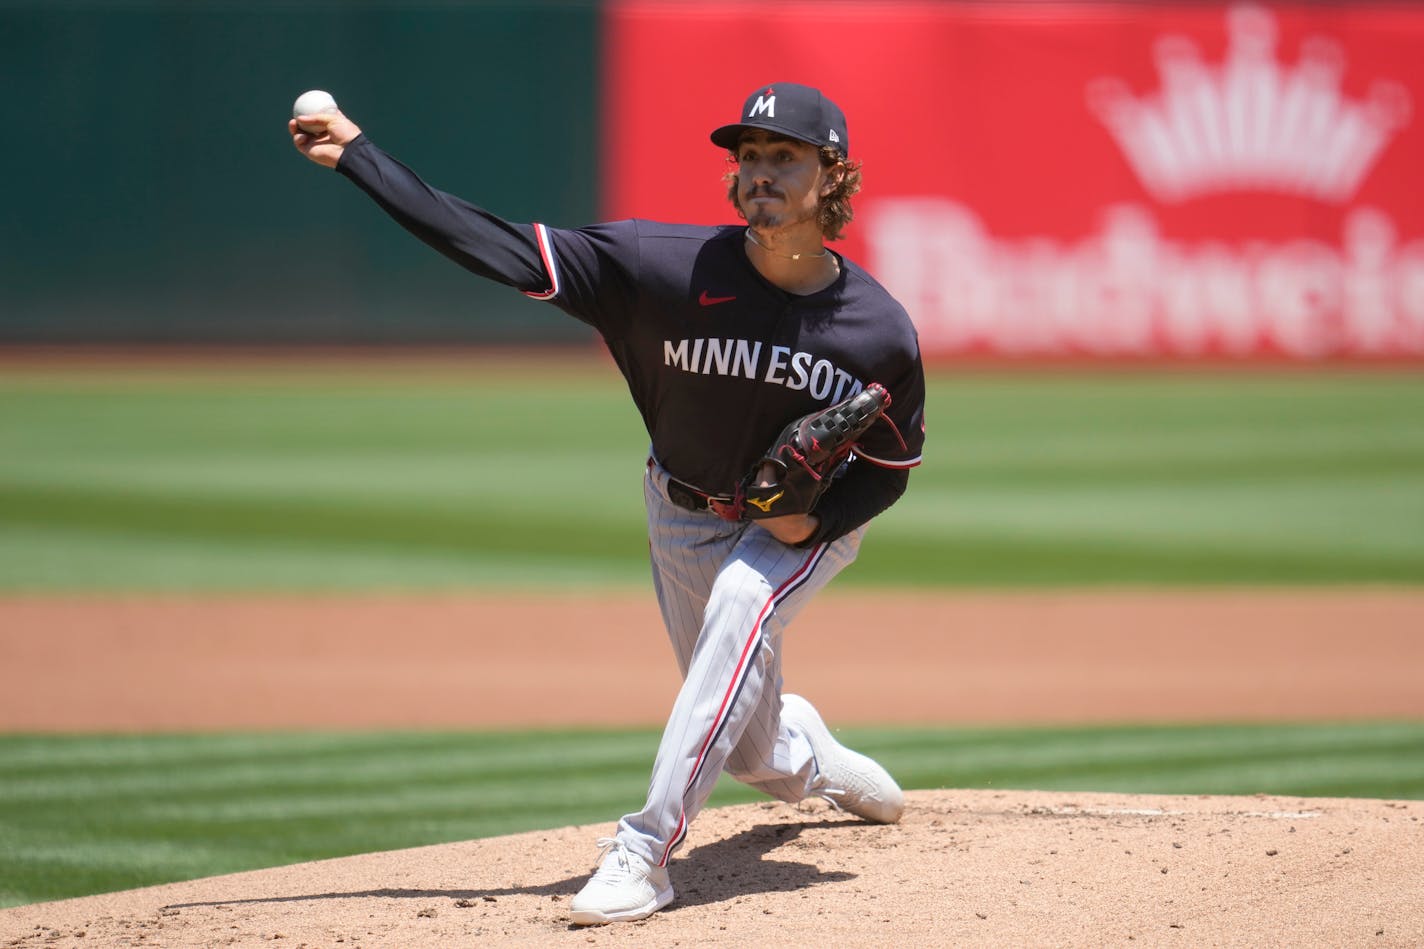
864	492
897	441
879	473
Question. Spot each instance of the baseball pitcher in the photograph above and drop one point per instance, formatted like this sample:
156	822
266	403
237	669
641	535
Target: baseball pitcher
783	395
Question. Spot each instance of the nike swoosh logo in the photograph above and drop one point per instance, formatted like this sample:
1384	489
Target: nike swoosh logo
706	300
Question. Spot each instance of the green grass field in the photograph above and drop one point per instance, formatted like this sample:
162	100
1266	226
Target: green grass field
82	815
285	478
290	479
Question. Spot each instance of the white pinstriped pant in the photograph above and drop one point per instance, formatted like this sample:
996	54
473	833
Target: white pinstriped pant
727	592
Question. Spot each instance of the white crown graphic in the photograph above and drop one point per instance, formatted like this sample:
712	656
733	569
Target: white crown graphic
1251	123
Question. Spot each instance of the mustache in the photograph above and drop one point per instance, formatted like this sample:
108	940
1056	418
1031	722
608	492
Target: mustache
763	191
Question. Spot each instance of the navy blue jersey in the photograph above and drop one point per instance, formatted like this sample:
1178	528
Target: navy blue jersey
718	360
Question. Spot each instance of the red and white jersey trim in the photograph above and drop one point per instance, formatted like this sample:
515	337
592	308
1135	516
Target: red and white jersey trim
889	463
546	251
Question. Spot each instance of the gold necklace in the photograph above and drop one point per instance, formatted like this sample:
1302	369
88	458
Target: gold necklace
751	236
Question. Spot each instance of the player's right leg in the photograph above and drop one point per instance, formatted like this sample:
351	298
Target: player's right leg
686	549
719	595
731	685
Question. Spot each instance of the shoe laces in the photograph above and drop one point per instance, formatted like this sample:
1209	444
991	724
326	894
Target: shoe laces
832	796
846	786
607	845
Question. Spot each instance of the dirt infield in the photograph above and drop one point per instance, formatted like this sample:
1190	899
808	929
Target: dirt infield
474	661
1001	868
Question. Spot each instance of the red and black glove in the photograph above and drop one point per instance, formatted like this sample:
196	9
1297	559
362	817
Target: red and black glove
797	468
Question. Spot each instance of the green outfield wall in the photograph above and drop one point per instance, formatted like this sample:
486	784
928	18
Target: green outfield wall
152	193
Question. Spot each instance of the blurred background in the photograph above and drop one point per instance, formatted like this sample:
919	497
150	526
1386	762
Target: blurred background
1166	262
1049	179
1167	265
154	195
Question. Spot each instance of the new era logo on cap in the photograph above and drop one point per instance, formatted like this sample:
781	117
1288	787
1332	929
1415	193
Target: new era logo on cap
790	109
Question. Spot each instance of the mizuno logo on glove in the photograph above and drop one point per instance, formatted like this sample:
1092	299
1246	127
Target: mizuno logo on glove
765	506
800	464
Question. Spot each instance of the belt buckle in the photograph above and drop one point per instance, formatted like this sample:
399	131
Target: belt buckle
728	509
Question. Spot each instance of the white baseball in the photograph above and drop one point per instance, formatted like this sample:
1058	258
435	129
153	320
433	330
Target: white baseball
314	102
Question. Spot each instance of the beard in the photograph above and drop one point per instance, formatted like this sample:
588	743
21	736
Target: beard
762	218
769	217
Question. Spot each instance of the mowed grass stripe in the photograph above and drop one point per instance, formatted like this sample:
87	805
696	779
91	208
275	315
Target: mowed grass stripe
59	560
237	802
517	527
354	481
339	413
916	543
1057	558
982	748
1385	768
272	780
1381	759
188	767
88	752
87	814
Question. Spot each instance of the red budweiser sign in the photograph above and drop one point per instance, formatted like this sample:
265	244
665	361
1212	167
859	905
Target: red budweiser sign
1103	180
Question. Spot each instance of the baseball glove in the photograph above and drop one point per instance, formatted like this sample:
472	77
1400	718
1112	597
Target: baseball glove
797	468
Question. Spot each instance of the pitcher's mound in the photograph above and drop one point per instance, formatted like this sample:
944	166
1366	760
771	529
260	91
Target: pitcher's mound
963	868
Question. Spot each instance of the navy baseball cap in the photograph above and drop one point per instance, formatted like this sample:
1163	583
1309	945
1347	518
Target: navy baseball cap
793	110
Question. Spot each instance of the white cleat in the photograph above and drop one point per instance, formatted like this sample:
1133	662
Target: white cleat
625	887
848	779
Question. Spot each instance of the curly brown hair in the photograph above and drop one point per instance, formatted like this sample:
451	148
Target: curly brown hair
834	211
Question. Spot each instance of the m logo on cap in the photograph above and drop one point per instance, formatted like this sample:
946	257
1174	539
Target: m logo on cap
764	103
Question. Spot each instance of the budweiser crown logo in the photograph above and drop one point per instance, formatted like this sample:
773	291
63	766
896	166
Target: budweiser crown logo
1251	123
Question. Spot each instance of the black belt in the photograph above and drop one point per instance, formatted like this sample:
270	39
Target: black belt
686	496
689	498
